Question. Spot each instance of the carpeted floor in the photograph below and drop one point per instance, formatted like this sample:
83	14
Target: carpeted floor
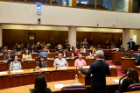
118	65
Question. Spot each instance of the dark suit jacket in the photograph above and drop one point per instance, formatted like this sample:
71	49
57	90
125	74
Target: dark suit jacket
7	57
70	50
65	54
120	41
33	49
98	69
43	65
133	43
130	55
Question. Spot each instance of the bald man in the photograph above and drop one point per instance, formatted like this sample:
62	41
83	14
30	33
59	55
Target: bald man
8	55
60	62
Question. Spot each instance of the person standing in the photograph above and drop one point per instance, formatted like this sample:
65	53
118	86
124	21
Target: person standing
98	69
131	44
120	41
90	41
137	58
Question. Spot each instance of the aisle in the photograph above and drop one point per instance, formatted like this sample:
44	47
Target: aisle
119	71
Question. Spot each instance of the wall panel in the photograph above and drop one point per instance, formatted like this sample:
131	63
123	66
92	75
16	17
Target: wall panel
10	37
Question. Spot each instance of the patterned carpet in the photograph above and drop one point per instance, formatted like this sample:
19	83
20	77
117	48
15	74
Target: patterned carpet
118	65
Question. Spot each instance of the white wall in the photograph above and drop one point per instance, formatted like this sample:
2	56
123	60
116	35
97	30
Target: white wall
18	13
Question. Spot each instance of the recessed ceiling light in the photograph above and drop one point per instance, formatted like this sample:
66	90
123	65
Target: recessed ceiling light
31	28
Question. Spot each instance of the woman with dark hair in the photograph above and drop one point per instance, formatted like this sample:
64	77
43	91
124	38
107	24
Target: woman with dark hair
131	79
15	64
26	55
41	62
41	85
75	52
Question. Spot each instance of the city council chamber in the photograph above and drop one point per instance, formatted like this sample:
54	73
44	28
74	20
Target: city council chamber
69	46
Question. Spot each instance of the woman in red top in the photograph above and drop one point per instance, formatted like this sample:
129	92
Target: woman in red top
75	52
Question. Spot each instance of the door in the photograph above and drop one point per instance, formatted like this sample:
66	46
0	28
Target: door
31	38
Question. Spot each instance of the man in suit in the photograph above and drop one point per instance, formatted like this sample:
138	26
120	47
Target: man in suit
8	55
98	69
43	53
131	44
33	49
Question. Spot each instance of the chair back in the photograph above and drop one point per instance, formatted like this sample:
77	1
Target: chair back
60	51
57	57
74	89
132	85
88	51
39	51
76	57
37	59
9	61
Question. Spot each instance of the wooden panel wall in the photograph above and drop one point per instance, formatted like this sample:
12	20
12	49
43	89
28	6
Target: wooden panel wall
11	37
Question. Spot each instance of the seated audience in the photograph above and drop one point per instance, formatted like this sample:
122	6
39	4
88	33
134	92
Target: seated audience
91	47
21	44
75	52
8	55
131	79
137	57
26	55
60	62
70	48
41	62
64	53
128	53
43	44
39	47
59	47
113	46
98	47
85	43
33	49
46	49
80	62
41	85
83	50
15	65
27	47
4	49
92	52
121	48
43	53
18	49
48	44
107	47
77	44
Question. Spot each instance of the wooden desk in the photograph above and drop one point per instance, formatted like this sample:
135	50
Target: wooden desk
133	92
1	56
116	56
28	76
138	69
51	85
127	63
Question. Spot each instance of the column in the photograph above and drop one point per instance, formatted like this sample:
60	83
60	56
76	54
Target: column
126	37
72	36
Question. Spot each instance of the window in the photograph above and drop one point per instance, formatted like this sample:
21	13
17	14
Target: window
122	5
86	4
105	4
62	2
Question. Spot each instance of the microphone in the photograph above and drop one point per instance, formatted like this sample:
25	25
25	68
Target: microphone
56	68
34	69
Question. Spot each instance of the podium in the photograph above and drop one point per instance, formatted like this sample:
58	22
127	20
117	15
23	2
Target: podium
84	79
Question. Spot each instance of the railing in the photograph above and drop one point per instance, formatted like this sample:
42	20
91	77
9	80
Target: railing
72	3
